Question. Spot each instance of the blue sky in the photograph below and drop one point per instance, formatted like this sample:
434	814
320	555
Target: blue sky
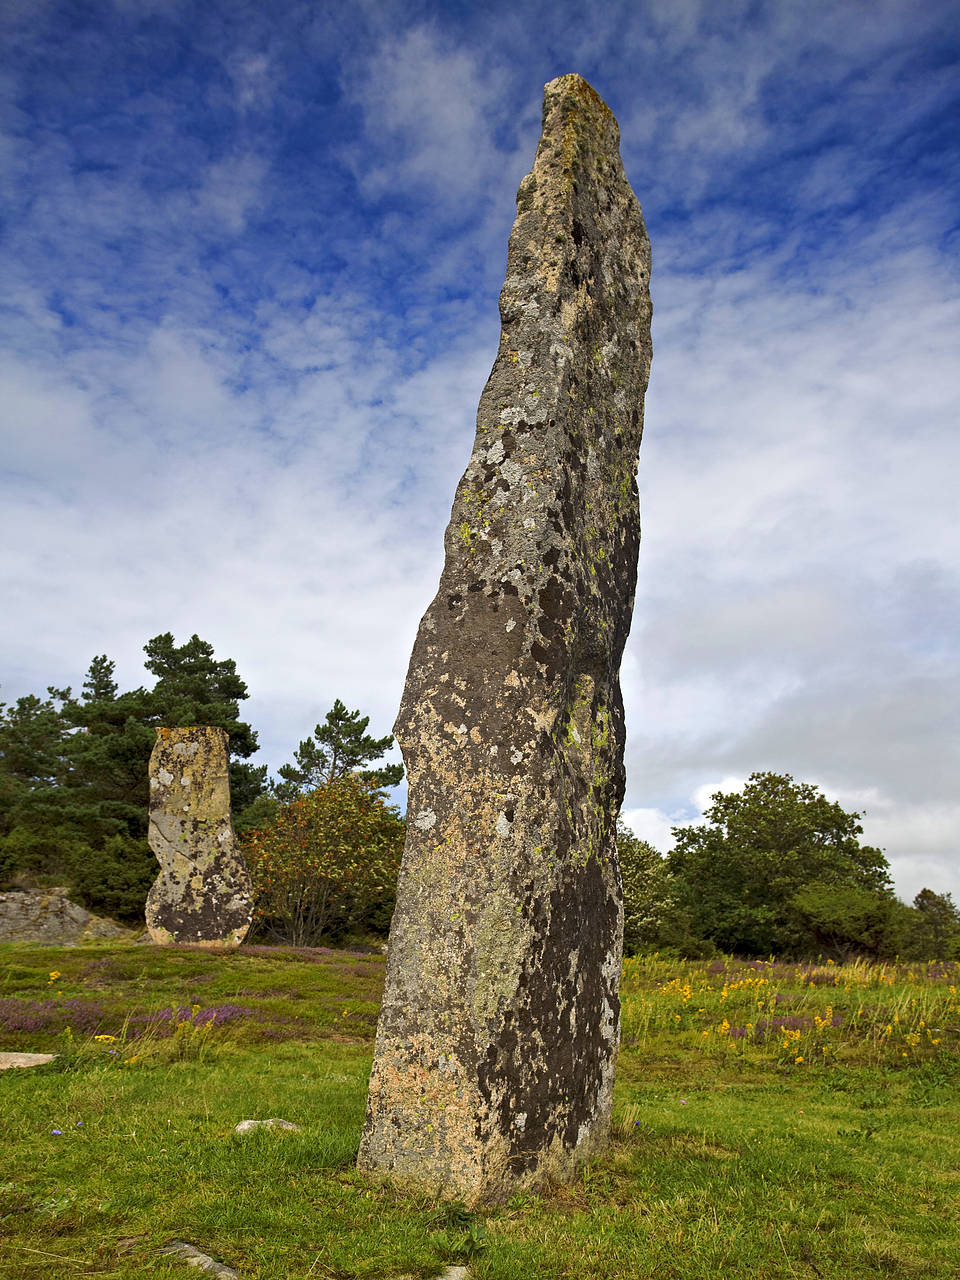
251	256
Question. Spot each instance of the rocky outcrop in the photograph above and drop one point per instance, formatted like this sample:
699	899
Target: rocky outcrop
499	1028
48	915
203	893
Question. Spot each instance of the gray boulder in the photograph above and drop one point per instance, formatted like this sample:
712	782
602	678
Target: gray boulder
48	916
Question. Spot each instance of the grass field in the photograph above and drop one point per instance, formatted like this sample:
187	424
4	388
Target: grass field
771	1121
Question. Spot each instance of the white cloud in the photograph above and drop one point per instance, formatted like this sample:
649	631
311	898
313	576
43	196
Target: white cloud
253	78
653	826
430	109
703	795
797	604
230	189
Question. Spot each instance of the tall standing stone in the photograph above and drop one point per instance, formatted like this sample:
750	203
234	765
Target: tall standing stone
499	1028
203	893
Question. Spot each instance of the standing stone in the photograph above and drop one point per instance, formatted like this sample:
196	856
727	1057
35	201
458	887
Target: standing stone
203	893
499	1027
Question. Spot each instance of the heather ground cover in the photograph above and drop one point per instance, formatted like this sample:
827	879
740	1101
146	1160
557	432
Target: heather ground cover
771	1121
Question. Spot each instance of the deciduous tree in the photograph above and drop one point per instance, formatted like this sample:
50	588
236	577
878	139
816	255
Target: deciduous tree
326	863
935	933
740	872
653	919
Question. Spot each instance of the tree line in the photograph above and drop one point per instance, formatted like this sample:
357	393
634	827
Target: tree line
777	869
774	869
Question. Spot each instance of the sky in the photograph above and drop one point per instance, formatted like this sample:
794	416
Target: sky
251	255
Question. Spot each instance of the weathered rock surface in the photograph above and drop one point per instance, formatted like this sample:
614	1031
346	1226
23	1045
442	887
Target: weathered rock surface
48	915
203	893
495	1049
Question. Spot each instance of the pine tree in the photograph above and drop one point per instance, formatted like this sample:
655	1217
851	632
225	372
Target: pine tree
339	747
99	684
193	688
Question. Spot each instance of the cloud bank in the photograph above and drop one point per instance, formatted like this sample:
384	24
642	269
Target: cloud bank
252	258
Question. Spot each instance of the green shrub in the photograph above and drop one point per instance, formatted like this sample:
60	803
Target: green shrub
113	880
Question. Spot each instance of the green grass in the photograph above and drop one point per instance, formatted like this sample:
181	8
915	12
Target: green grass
771	1121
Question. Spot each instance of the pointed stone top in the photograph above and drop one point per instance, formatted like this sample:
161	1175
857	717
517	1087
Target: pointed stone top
579	147
576	85
570	98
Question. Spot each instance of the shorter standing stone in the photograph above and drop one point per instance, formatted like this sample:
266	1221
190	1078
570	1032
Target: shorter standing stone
203	893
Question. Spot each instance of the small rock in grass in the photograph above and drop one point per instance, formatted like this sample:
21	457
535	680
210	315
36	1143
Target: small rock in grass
247	1126
455	1273
195	1258
24	1059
